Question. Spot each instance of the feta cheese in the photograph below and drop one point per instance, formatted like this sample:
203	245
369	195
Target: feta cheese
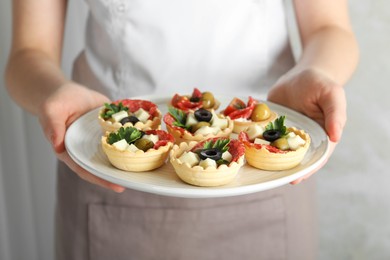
142	115
205	130
153	138
121	145
119	115
290	134
132	148
227	156
216	121
208	163
190	158
254	131
295	142
242	119
191	120
261	141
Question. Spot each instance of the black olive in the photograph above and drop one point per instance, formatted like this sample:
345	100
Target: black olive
203	115
131	119
211	153
272	135
194	99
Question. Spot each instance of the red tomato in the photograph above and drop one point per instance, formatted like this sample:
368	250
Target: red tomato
234	105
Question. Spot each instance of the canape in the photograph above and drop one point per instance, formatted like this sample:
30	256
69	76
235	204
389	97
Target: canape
131	149
245	115
274	147
142	114
213	162
195	101
196	125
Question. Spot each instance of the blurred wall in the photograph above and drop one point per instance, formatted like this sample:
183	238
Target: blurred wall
353	187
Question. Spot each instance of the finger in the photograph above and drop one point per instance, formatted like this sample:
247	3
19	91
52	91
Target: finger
335	113
54	131
87	176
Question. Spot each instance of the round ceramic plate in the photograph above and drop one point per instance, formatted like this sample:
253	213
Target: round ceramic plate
82	142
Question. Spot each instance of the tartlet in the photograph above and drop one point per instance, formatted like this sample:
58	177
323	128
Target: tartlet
194	101
177	124
209	175
278	154
245	115
128	158
135	109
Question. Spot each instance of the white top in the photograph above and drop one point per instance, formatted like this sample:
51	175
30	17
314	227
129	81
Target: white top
137	47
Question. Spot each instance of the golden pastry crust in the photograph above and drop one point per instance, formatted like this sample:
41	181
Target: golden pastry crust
197	175
264	159
138	161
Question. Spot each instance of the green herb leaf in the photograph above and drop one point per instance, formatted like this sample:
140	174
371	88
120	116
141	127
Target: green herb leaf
111	109
222	145
130	134
208	145
222	161
278	124
179	116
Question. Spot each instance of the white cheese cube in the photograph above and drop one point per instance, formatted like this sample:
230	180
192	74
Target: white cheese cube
132	148
241	119
216	121
205	130
119	116
153	138
290	134
142	115
121	145
190	158
191	120
295	142
208	163
254	131
261	141
227	156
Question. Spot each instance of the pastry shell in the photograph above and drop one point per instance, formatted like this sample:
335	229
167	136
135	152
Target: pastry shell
265	160
240	126
182	135
138	161
197	175
108	126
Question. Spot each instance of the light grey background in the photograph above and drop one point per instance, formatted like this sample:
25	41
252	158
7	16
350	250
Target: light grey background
353	193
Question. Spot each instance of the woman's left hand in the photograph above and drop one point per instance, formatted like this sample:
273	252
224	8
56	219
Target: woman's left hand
314	94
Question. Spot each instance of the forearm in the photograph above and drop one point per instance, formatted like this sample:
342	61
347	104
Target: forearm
332	50
31	77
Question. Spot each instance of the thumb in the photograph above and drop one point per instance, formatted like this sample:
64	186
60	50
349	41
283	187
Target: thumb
334	108
54	131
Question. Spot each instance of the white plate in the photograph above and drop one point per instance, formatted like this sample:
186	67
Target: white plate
82	142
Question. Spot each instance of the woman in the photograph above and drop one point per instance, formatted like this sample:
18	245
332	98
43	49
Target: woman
137	47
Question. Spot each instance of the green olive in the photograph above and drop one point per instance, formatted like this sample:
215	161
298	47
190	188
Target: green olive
281	144
208	100
260	112
144	144
194	128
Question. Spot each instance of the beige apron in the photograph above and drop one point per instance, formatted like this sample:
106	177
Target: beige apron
136	47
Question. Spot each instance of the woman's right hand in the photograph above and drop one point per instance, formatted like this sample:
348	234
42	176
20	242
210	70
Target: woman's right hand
58	111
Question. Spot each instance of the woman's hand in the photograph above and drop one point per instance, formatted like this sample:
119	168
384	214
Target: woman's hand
64	106
316	95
